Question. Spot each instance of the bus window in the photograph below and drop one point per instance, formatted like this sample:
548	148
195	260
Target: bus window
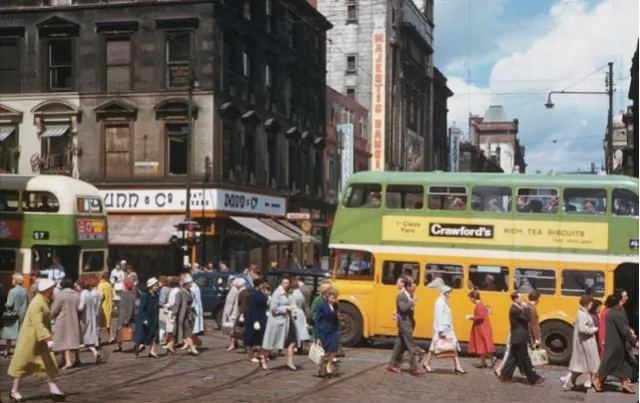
585	201
580	282
9	200
537	200
40	202
363	195
541	280
447	198
391	271
489	278
491	199
88	205
625	203
353	265
92	261
7	260
437	275
404	197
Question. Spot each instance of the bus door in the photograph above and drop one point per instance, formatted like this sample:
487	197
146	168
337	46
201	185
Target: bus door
43	257
387	291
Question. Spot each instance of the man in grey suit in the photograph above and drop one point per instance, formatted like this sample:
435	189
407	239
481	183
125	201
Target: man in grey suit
405	307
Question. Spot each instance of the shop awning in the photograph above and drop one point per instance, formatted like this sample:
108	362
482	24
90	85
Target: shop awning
298	231
262	229
142	229
281	228
5	131
54	131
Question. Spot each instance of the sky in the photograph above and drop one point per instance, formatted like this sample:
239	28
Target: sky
513	52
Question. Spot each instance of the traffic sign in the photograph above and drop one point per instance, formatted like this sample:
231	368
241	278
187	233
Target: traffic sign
306	226
298	216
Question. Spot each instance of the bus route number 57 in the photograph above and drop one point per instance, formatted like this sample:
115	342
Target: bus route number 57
40	235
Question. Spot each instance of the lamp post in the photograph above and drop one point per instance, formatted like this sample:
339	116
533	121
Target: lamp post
609	92
193	83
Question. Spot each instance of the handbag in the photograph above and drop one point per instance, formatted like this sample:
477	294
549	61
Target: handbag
126	334
256	326
9	315
538	357
163	316
316	353
444	348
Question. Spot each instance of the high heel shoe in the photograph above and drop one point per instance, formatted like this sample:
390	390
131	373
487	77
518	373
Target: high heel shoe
427	368
292	367
263	364
58	397
171	351
194	353
153	355
460	371
15	397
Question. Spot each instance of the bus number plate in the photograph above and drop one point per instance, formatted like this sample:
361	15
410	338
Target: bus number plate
40	235
633	244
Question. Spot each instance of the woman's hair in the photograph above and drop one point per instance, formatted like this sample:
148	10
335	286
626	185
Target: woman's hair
163	280
534	296
475	294
18	278
104	275
613	300
585	300
66	282
594	307
257	282
284	277
331	292
173	281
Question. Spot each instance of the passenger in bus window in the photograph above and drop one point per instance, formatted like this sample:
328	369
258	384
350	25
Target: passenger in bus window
552	207
492	206
588	207
55	272
373	201
521	205
489	283
623	208
458	203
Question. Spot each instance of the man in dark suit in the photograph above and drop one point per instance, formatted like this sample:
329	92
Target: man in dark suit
519	318
405	305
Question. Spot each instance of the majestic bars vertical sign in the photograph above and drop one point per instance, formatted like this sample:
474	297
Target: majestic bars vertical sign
378	97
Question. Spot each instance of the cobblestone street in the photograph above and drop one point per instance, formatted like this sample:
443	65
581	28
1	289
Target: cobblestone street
217	375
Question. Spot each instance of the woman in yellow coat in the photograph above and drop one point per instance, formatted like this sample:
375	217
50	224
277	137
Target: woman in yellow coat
33	354
106	296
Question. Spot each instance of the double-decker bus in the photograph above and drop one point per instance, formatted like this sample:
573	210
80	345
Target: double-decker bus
560	235
49	217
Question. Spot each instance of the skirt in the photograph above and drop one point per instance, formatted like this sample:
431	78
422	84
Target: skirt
291	335
330	342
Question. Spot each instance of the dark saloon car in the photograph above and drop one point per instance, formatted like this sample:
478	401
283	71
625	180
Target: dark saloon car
213	290
311	277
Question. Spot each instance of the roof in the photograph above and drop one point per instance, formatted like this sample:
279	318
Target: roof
57	184
493	179
495	114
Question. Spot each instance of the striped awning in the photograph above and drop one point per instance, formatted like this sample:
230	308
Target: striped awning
5	131
54	131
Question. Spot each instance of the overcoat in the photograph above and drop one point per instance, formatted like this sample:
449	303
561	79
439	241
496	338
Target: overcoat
183	312
617	360
64	312
278	322
127	308
147	312
106	295
300	317
443	321
584	353
89	308
17	301
481	340
257	305
198	326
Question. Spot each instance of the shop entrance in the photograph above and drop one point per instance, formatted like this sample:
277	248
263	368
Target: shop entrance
626	277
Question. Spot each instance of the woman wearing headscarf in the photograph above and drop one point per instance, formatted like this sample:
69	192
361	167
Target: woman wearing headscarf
256	321
33	354
126	312
280	330
185	315
15	309
64	312
146	332
231	313
106	309
481	340
443	329
584	354
89	308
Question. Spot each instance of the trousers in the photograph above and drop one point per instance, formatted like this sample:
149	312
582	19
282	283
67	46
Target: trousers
405	342
519	357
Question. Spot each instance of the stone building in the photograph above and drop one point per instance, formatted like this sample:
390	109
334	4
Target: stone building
100	90
441	95
635	114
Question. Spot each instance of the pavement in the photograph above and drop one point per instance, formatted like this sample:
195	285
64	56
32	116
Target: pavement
218	375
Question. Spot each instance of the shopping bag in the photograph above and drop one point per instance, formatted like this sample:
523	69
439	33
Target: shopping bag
126	334
538	357
316	353
444	346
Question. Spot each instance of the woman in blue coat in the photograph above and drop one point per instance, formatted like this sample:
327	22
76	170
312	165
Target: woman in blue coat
327	329
147	325
255	321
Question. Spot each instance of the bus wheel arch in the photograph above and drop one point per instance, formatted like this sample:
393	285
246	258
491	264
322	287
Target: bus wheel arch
351	324
557	339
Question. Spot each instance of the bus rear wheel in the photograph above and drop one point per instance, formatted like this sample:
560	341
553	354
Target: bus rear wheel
350	325
557	338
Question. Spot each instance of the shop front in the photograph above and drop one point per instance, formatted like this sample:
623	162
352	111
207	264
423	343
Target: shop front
314	251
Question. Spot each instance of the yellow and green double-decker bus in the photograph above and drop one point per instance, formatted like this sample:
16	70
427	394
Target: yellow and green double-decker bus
47	220
560	235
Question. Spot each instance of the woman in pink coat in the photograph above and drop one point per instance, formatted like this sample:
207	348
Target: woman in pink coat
481	340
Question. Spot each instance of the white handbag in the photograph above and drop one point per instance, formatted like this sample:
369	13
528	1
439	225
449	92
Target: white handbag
256	326
538	357
316	353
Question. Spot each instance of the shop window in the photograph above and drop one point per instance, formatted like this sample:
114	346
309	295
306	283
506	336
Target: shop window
353	265
580	282
60	64
447	198
363	195
404	197
177	139
527	280
9	200
438	274
625	203
392	270
585	201
491	199
489	278
93	261
537	200
7	260
40	202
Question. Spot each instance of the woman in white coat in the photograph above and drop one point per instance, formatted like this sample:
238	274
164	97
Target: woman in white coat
198	326
89	309
585	358
281	330
231	313
300	317
443	329
168	315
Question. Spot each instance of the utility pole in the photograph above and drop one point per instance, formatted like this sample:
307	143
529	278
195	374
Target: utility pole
609	156
187	215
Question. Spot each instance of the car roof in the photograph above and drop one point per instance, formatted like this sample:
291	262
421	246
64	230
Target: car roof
212	274
303	273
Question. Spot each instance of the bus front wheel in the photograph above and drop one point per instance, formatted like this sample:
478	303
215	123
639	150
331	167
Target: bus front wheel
350	325
557	338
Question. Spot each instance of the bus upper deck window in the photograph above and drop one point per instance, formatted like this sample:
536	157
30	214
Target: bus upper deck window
404	197
363	195
40	202
9	200
585	201
491	199
625	203
447	198
537	200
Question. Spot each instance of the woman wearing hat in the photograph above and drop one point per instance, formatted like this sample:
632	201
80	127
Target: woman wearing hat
147	327
33	354
185	315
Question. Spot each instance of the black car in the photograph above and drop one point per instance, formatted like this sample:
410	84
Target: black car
311	277
213	291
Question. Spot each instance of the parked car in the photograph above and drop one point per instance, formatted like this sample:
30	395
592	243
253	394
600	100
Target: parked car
311	277
213	290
